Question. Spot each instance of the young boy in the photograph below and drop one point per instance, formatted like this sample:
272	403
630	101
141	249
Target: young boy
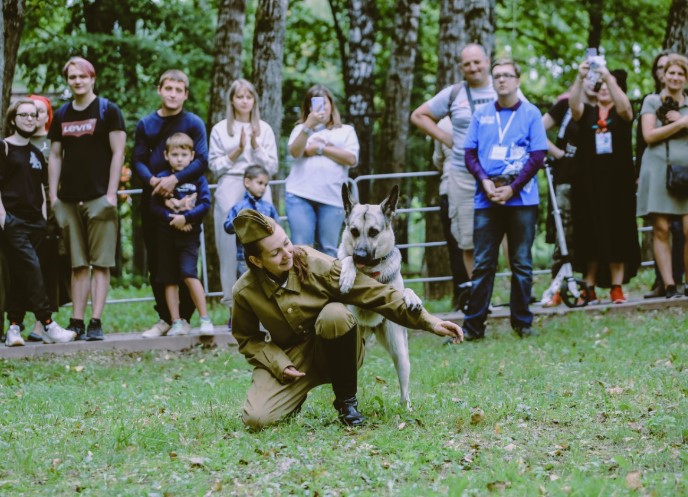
255	181
178	235
23	226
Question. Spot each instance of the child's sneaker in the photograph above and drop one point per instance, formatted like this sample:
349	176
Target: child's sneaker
206	328
14	338
179	328
617	295
161	328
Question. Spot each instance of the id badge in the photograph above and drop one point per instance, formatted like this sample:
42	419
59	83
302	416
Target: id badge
603	143
498	152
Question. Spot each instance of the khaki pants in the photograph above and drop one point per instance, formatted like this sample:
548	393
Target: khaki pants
269	400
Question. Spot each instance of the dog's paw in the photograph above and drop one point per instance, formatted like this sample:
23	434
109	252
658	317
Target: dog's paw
412	301
348	275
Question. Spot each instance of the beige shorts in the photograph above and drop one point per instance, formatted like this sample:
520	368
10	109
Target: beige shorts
461	196
89	229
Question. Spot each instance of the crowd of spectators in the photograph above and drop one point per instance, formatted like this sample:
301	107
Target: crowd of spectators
59	175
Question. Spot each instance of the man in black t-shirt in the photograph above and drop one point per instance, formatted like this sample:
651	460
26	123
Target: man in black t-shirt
86	157
23	226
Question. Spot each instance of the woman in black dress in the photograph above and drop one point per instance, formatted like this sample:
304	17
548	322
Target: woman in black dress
606	243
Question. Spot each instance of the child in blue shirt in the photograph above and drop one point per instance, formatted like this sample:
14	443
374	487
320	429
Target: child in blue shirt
256	180
179	231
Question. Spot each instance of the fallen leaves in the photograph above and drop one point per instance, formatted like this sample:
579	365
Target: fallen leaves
477	415
633	480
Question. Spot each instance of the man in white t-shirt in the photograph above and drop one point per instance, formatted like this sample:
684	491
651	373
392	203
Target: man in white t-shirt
475	92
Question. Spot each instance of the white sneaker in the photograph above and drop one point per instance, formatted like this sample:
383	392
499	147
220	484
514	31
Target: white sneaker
159	329
206	328
14	338
179	328
54	333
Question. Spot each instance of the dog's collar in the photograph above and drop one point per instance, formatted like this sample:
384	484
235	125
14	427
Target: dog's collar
376	262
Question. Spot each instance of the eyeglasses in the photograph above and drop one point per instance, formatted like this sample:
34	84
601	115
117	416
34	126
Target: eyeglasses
504	76
26	115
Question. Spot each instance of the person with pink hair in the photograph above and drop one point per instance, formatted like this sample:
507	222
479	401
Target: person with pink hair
45	118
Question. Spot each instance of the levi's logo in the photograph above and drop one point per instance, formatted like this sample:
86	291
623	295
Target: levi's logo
79	128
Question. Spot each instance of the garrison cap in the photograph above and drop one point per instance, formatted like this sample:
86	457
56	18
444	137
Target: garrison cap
251	226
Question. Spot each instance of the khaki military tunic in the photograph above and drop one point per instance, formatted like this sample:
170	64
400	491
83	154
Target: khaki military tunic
294	316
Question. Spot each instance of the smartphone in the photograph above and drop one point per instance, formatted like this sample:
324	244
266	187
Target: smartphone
318	104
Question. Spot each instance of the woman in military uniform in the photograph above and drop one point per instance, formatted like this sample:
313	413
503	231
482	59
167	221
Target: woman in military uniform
308	336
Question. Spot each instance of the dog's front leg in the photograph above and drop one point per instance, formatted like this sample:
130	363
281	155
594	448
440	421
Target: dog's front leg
412	301
348	274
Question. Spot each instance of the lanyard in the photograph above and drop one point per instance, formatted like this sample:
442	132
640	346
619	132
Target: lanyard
502	132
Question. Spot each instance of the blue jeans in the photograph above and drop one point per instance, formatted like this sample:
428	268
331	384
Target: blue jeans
490	226
311	222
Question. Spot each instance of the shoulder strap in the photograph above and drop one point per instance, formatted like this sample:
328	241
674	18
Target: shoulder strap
452	96
62	111
103	107
470	97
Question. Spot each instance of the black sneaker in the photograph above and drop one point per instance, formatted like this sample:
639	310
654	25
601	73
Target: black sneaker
78	327
672	292
95	330
525	332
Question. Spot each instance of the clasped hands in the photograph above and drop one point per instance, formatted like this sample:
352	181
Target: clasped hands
498	195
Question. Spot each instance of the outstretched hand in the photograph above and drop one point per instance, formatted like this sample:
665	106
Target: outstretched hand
290	373
449	329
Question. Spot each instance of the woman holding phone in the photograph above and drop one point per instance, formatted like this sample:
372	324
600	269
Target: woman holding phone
323	149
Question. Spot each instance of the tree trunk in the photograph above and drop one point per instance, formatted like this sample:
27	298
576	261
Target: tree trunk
268	51
676	38
227	58
479	23
360	83
11	27
395	118
595	12
449	43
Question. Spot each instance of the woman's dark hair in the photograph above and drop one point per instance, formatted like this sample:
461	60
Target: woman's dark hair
655	66
320	91
300	259
621	76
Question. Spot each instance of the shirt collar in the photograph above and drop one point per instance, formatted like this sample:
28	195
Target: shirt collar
270	286
514	107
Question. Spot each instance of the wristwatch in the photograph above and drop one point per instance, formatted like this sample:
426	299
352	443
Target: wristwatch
307	131
320	149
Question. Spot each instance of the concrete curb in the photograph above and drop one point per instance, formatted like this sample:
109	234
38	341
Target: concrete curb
125	342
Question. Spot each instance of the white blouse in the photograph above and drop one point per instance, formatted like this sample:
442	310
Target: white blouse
221	144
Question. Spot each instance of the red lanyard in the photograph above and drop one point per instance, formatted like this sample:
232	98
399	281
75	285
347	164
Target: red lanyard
603	114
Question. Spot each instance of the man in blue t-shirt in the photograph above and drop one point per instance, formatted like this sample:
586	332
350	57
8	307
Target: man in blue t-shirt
148	159
504	148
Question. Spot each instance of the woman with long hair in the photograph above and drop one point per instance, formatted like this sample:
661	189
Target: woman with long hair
237	142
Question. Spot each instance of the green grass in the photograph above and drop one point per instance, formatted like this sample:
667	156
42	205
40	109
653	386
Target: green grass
595	405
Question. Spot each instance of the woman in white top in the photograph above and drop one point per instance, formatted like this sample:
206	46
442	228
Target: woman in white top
323	149
240	141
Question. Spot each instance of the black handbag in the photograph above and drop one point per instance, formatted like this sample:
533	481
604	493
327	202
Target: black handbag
676	177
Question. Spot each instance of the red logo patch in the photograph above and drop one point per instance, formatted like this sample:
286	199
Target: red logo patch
79	128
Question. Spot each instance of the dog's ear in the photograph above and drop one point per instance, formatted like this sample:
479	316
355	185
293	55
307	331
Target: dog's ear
389	204
348	199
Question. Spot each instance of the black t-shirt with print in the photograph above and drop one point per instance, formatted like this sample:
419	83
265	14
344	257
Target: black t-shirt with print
567	140
86	152
22	174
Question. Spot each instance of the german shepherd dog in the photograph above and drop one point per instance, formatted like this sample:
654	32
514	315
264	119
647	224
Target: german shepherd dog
368	245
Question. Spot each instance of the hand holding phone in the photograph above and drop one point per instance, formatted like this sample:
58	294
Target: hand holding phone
318	104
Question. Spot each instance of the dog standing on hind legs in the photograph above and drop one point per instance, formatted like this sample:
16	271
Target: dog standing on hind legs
368	245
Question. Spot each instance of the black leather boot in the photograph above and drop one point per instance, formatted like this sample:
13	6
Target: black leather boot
342	359
348	411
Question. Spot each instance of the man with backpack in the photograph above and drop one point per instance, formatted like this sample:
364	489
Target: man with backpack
86	156
459	102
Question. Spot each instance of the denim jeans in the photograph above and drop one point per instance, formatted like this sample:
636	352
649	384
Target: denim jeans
490	226
311	222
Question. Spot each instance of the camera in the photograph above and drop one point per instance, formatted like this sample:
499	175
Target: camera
595	62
